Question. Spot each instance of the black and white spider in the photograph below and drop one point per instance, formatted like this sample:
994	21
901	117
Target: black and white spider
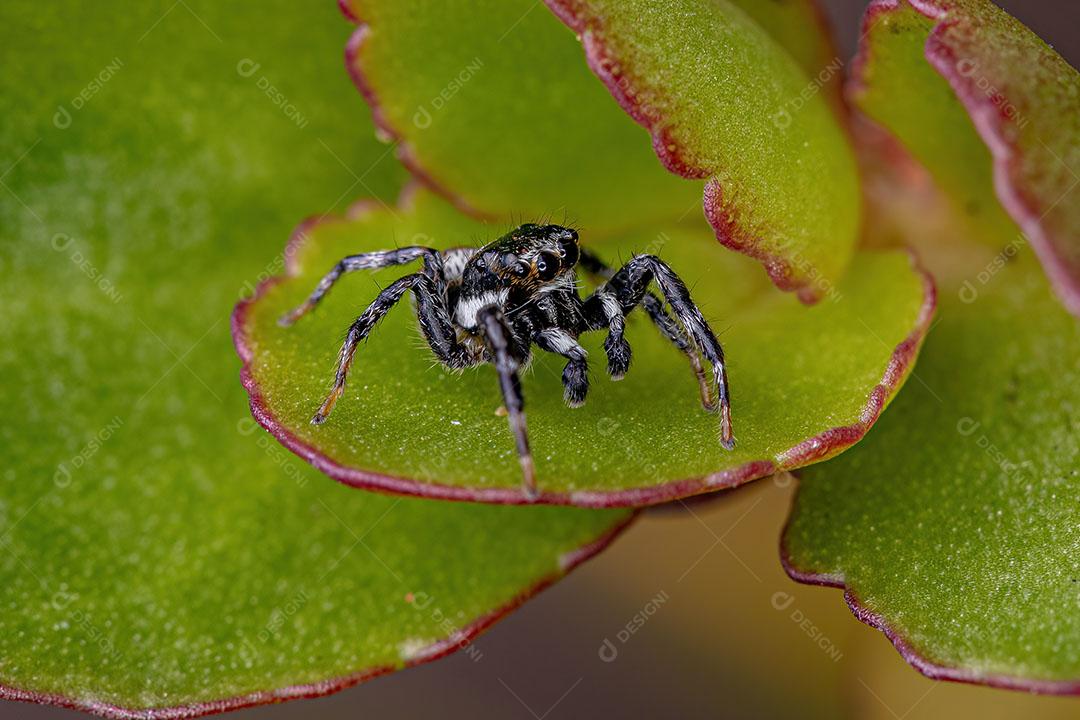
490	305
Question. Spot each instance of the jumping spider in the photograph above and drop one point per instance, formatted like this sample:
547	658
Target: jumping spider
493	303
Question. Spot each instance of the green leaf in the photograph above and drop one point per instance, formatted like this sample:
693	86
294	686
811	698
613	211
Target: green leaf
954	524
723	101
500	81
806	382
991	110
495	108
158	550
815	52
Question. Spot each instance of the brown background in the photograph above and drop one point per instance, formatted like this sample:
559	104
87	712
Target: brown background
716	647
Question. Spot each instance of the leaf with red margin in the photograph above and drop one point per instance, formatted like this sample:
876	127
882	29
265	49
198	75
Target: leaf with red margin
986	105
723	101
807	382
954	525
493	107
161	556
511	125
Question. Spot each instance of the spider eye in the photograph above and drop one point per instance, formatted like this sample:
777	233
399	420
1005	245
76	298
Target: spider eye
520	269
568	250
547	265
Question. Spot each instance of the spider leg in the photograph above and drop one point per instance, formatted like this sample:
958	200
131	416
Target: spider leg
363	261
434	323
498	336
576	373
630	285
605	306
654	307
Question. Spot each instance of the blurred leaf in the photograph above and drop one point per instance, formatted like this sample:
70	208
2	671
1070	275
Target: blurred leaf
954	525
495	107
723	101
806	381
156	548
458	82
987	106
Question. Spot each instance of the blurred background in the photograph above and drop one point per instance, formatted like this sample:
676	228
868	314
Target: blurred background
689	614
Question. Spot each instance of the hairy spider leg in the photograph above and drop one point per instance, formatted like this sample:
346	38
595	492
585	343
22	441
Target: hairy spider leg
630	284
654	307
435	324
498	336
576	373
363	261
605	305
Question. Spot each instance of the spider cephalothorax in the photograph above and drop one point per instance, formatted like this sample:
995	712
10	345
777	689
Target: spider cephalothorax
492	304
516	269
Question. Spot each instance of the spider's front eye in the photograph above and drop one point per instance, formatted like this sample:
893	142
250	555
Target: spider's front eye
547	265
520	269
